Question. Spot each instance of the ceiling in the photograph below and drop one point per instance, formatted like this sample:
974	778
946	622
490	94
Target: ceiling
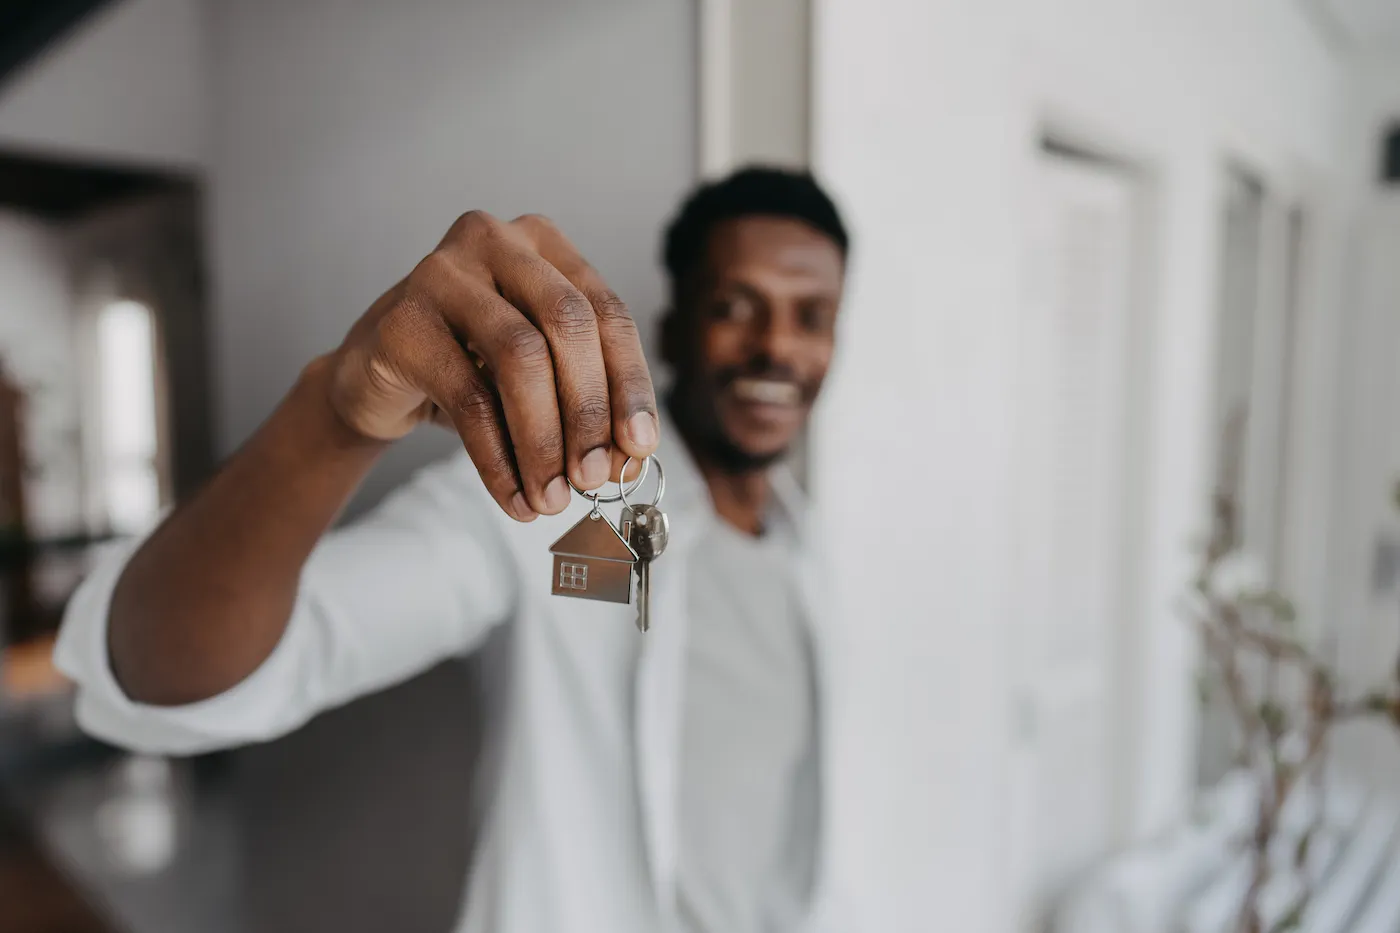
27	27
1372	26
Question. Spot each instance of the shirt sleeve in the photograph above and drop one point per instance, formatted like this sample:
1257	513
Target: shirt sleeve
424	576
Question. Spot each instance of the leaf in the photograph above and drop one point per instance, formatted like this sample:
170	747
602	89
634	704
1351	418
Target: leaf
1277	605
1282	607
1300	853
1378	703
1204	690
1291	920
1274	718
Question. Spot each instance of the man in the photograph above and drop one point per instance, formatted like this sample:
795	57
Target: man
672	781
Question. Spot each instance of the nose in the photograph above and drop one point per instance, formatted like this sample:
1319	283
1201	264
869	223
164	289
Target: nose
777	335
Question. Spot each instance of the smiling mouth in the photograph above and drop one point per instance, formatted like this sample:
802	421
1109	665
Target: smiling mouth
766	391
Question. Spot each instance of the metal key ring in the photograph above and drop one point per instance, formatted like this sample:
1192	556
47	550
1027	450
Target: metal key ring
660	481
620	495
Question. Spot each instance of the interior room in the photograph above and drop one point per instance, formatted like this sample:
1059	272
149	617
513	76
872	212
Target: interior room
1105	470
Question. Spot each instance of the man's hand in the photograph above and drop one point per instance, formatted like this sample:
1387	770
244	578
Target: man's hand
507	334
503	332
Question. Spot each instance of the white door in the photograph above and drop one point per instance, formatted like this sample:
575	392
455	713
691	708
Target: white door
1072	559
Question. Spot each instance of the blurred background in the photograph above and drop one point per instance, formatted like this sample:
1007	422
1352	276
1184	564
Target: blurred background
1114	260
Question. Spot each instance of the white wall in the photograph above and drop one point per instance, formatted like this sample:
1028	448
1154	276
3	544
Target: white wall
755	87
128	84
926	121
348	134
1368	433
37	352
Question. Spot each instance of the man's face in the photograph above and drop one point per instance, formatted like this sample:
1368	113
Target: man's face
753	339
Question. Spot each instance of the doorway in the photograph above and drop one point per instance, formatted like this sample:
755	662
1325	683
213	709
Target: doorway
1264	239
104	377
1075	559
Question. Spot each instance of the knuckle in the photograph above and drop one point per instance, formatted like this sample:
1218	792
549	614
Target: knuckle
433	270
547	448
612	310
475	402
525	345
534	223
571	314
591	414
637	389
501	465
474	224
497	470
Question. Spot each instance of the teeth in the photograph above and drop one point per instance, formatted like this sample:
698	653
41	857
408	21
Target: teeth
767	391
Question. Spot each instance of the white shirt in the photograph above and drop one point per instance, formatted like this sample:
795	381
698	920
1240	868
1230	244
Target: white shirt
582	833
748	766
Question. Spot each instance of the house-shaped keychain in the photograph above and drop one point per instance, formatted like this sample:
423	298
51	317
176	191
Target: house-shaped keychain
593	561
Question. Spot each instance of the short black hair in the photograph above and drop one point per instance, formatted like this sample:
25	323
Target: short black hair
750	191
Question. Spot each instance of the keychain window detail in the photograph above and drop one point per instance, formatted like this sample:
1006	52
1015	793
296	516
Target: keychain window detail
573	576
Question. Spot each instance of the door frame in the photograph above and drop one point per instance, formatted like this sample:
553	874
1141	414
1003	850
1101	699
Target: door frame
1021	839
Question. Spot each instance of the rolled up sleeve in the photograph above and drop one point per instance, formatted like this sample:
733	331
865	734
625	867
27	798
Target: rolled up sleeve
424	576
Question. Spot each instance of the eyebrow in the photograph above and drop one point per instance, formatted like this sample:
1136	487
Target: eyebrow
733	285
748	291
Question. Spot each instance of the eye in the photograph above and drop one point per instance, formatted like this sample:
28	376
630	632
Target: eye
814	316
737	309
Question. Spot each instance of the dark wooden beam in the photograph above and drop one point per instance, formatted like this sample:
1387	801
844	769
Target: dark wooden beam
1390	155
27	27
63	189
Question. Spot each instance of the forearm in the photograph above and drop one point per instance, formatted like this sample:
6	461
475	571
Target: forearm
206	599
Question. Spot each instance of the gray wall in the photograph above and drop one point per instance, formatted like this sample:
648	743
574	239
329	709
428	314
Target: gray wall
348	134
126	85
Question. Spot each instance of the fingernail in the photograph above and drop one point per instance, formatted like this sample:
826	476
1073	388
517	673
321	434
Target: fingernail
521	508
593	471
642	429
556	495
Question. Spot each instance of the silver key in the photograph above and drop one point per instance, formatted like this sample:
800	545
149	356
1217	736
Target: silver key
648	530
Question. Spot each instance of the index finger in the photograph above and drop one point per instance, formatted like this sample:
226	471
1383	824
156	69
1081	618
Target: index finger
633	399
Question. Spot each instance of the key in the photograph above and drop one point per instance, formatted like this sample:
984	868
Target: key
648	530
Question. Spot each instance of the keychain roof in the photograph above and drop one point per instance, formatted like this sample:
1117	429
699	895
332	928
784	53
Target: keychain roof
594	537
